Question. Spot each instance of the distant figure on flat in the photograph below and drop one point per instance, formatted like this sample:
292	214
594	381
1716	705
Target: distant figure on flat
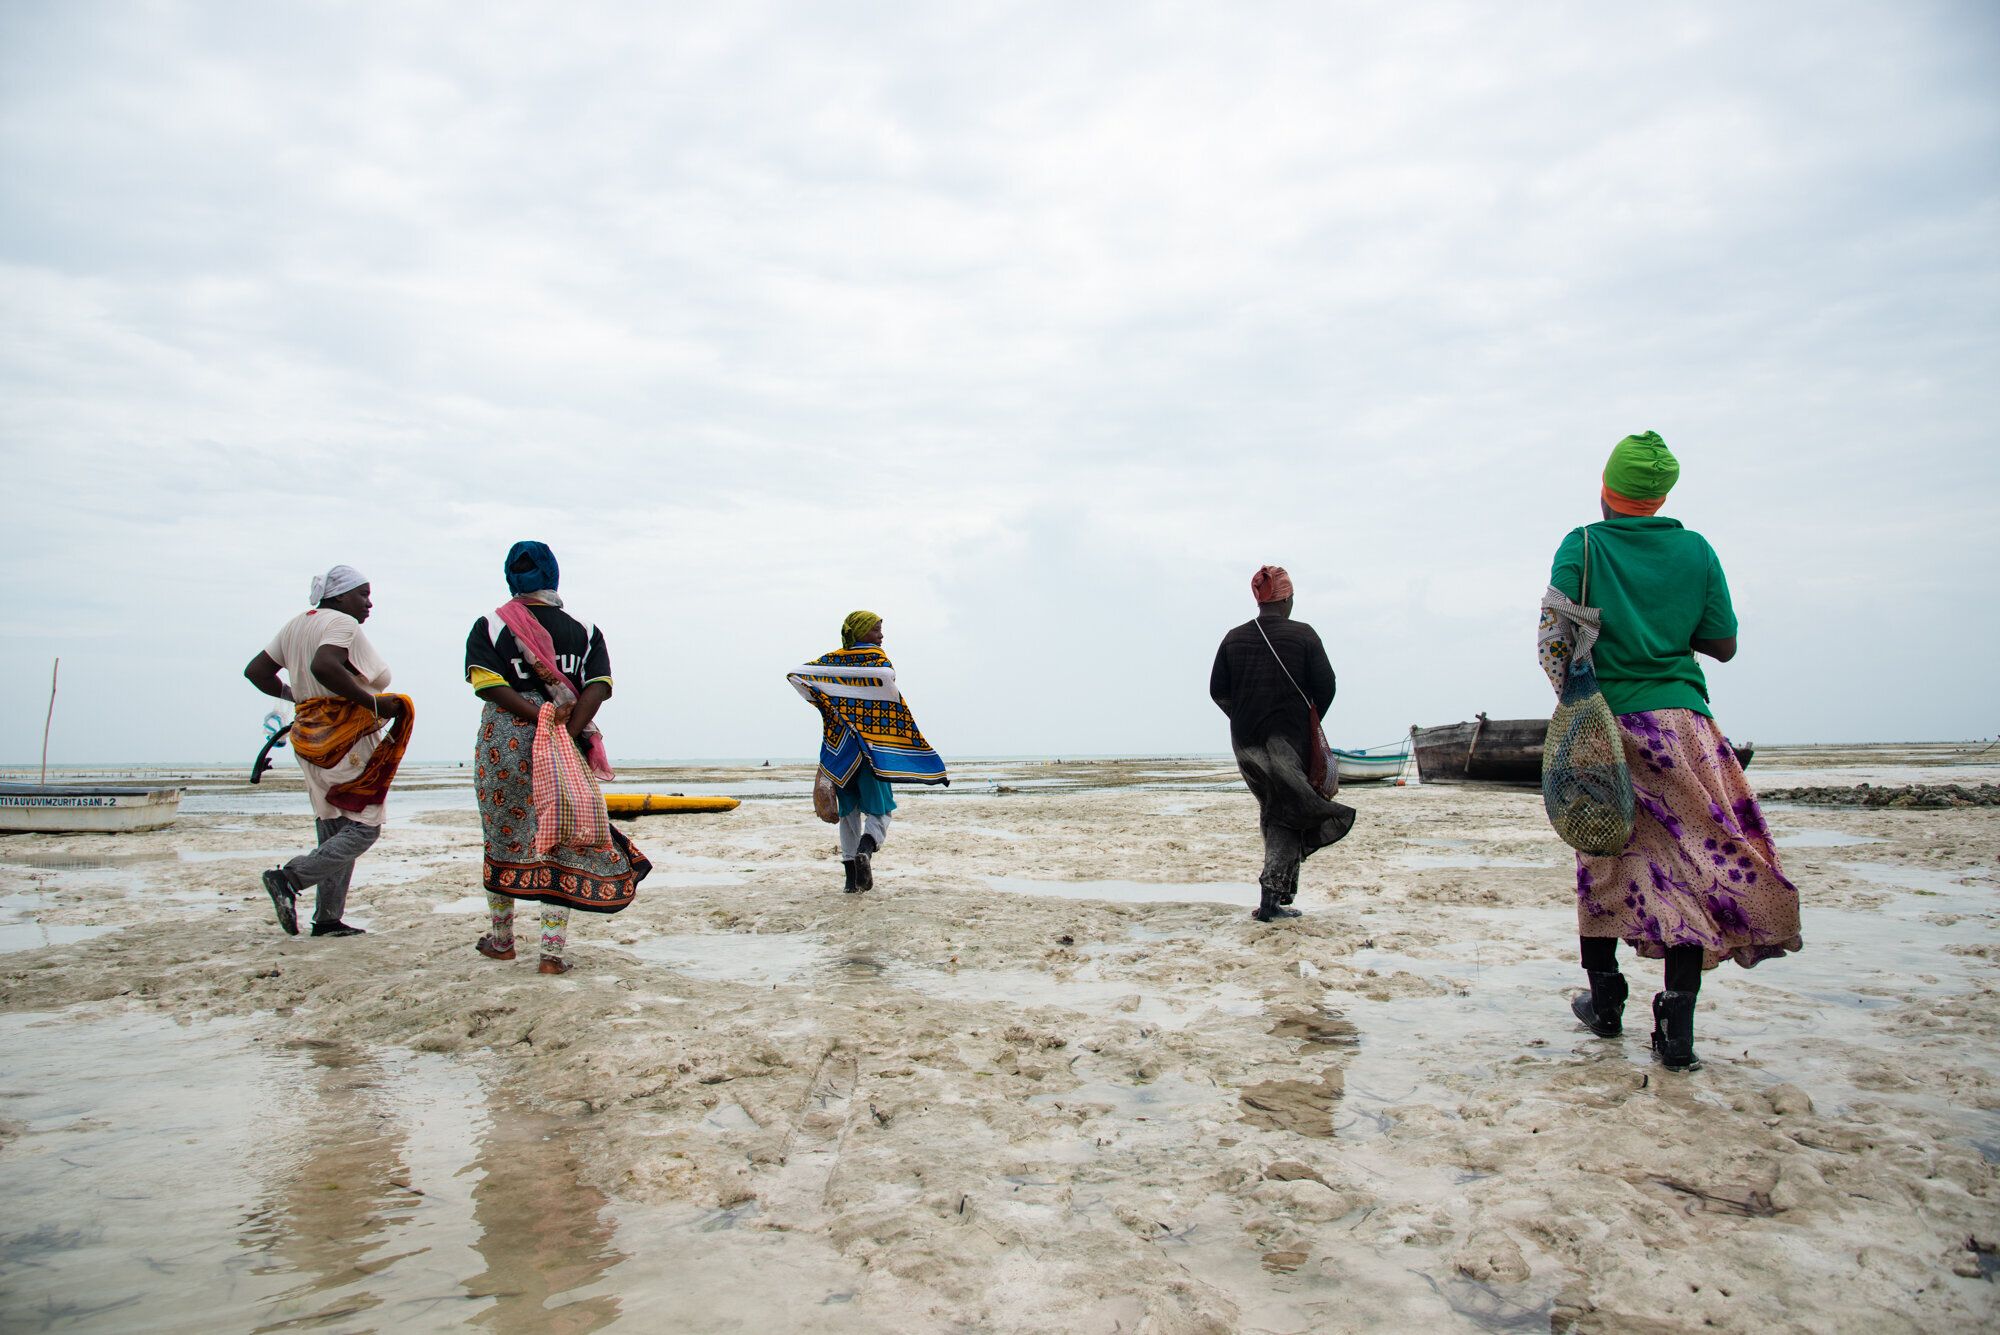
1699	880
542	675
868	740
1273	680
339	709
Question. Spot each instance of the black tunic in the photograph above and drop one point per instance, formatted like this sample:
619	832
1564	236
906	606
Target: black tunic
1270	728
1248	685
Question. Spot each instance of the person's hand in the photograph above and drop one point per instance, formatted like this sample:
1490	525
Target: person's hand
389	706
576	727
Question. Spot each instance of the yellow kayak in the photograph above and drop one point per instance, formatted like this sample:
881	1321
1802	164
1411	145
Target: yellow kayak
654	804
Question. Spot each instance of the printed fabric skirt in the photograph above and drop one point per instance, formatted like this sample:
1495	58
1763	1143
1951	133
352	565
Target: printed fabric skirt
1700	869
600	881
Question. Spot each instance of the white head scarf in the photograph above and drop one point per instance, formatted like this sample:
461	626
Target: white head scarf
339	580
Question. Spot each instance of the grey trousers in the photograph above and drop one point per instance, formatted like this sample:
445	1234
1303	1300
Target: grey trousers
857	823
342	841
1284	849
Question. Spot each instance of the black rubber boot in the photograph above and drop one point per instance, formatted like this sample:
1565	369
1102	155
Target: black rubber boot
1673	1031
1602	1009
1271	907
864	870
847	864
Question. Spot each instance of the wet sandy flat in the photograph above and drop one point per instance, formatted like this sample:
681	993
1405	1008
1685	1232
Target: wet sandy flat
1047	1076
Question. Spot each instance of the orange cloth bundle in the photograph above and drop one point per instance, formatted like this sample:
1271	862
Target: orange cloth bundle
326	727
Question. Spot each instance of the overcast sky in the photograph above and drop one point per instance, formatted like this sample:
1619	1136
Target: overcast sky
1034	327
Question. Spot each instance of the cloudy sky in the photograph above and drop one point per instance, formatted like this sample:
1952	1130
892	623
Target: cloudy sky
1034	327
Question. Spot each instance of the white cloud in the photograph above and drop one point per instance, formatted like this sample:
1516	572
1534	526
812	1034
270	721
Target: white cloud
1035	328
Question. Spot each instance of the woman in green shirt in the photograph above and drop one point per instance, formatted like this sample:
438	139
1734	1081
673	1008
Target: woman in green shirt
1699	881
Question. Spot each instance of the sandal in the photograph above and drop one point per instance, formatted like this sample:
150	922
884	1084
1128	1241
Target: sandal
553	964
492	949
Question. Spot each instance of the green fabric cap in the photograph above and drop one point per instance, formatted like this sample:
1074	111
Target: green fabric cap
1642	468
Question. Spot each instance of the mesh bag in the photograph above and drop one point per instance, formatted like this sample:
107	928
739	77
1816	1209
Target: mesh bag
1586	788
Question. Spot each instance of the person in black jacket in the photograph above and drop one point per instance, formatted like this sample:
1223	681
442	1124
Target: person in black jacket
1272	678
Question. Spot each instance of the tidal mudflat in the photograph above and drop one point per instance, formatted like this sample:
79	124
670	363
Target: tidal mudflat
1047	1076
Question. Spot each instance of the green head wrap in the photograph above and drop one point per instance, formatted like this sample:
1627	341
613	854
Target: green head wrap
857	625
1641	468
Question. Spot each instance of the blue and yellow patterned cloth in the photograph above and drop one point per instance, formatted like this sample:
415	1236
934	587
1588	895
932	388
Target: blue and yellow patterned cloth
864	718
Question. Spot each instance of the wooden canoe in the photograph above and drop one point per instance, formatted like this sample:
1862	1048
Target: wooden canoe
1493	751
1482	751
627	805
27	808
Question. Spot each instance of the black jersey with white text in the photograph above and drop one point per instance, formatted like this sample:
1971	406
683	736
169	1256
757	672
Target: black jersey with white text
580	651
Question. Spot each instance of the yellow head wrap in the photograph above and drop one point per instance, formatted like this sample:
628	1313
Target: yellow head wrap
857	625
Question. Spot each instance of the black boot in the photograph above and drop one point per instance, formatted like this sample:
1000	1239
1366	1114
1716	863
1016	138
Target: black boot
1271	907
1673	1030
864	871
1602	1009
848	865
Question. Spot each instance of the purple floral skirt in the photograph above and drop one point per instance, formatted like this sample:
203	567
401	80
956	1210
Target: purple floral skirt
1700	869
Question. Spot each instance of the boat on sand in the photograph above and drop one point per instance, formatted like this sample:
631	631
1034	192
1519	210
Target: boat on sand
624	806
34	808
1485	750
1373	765
1481	751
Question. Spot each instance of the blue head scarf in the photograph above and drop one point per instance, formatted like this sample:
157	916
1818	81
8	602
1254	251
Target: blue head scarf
543	576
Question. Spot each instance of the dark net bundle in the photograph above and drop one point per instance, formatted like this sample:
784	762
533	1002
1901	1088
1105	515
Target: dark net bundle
1586	788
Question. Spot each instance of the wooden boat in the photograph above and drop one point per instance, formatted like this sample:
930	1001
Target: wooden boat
1370	766
28	808
1482	751
625	806
1744	751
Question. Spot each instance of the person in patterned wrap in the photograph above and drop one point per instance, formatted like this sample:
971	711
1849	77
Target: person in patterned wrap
530	652
869	739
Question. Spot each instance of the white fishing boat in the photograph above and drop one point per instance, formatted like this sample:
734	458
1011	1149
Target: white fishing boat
34	808
81	808
1375	764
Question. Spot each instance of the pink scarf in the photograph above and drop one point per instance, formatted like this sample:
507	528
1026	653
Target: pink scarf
541	652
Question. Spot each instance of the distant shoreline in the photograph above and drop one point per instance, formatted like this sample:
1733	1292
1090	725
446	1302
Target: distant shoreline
32	767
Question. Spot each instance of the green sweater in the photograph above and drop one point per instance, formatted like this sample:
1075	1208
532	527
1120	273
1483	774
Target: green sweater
1658	586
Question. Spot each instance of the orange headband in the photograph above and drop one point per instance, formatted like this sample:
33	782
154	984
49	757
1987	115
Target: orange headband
1625	505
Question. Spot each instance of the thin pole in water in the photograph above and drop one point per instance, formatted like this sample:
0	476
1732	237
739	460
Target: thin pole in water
49	721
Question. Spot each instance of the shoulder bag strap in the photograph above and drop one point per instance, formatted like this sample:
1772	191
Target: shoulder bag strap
1282	668
1584	590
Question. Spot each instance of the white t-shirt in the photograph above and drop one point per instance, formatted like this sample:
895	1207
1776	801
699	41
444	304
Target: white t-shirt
292	649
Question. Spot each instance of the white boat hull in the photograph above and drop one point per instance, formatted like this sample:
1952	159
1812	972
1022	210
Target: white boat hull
1363	769
25	809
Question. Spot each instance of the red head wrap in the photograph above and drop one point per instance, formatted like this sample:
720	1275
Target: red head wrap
1271	585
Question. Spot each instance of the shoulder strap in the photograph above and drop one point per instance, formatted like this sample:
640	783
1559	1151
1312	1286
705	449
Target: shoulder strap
1584	591
1281	664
